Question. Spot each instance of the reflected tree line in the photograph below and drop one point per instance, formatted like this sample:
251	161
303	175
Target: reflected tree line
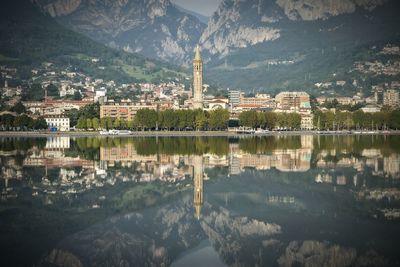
89	147
21	144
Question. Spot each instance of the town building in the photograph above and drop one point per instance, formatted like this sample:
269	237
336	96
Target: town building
371	109
123	110
55	107
234	97
59	123
307	122
293	101
391	98
262	100
217	104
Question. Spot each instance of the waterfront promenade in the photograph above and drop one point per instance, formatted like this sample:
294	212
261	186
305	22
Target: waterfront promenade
188	133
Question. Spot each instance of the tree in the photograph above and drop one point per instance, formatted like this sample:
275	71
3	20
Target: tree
95	123
22	121
77	96
200	120
218	119
40	123
181	114
89	124
103	123
395	119
90	111
146	118
34	93
261	120
130	124
281	120
358	118
73	115
248	119
19	108
293	121
169	119
270	120
52	90
109	123
81	123
124	124
117	123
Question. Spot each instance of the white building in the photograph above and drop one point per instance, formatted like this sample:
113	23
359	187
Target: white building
234	97
371	109
60	123
307	122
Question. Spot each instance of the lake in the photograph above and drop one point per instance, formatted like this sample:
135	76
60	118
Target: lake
200	201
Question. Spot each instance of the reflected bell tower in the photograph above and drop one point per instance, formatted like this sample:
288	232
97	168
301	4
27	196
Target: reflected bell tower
197	80
198	185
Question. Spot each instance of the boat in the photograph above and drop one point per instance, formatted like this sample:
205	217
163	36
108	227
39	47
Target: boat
124	132
245	130
261	131
110	132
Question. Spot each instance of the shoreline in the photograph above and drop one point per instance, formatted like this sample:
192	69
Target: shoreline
183	134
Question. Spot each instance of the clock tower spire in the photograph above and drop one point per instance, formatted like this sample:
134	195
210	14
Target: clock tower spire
197	80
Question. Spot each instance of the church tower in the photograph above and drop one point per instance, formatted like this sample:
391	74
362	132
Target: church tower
197	80
198	184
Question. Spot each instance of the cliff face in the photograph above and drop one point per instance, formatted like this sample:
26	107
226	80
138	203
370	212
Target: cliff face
277	44
154	28
245	23
239	24
323	9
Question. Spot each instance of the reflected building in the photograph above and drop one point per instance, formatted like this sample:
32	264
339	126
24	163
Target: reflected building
391	166
285	160
57	143
123	153
380	165
54	155
198	176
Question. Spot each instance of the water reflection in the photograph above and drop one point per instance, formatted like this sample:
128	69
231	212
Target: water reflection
284	200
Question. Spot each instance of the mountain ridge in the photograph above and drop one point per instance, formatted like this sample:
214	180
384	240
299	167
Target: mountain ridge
156	29
276	44
30	38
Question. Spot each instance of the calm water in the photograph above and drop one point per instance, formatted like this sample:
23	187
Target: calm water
193	201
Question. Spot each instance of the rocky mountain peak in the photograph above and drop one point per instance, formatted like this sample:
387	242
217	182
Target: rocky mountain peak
157	8
239	24
323	9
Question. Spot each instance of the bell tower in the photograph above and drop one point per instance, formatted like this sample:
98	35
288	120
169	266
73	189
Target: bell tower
197	80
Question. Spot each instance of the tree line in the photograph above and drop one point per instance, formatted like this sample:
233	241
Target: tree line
21	122
345	120
328	120
269	120
148	119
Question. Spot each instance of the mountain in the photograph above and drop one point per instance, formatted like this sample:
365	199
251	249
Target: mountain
259	45
291	44
202	18
29	38
154	28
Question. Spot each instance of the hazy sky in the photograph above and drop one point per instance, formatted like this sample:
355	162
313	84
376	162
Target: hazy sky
204	7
